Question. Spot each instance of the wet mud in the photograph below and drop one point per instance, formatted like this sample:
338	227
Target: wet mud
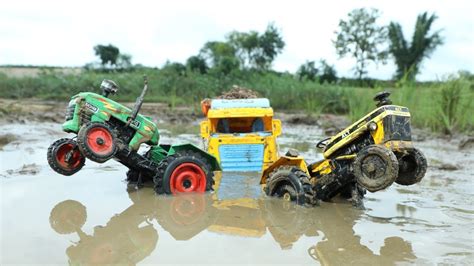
91	217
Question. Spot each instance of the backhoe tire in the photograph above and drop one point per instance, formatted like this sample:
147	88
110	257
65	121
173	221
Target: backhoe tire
375	168
184	172
291	184
97	141
64	157
412	168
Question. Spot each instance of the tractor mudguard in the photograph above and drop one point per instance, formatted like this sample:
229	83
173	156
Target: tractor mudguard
190	147
297	161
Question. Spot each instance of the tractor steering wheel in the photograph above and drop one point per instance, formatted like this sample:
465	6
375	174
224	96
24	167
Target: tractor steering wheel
322	144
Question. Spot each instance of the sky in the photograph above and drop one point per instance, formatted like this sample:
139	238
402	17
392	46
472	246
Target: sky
63	33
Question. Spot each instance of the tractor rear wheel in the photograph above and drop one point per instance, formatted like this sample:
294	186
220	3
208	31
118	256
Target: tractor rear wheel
97	141
183	173
64	157
375	168
291	184
412	168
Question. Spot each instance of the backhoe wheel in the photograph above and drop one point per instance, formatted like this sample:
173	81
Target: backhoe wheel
375	168
291	184
97	141
183	173
412	168
64	157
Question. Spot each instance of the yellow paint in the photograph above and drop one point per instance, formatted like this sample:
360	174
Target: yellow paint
322	167
285	160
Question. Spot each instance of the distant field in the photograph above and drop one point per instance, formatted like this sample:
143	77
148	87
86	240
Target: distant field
21	72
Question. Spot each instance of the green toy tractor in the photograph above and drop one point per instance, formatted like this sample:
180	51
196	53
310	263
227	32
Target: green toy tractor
108	130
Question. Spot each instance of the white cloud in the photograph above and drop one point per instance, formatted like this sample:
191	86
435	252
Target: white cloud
64	32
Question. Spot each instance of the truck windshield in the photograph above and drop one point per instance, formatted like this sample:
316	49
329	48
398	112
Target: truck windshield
240	125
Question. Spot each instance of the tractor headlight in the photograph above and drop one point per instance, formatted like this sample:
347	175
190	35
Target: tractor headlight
372	126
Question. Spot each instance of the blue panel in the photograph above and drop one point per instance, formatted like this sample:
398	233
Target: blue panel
240	103
241	157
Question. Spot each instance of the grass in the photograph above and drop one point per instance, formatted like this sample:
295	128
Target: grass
440	106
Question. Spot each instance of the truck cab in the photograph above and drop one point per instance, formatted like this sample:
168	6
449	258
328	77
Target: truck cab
241	133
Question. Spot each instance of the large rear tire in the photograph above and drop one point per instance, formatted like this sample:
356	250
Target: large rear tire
97	141
412	168
184	173
291	184
375	168
64	157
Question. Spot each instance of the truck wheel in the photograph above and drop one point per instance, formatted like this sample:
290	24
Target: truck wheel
183	173
412	168
291	184
64	157
375	168
97	142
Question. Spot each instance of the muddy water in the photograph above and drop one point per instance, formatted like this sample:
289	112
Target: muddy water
91	218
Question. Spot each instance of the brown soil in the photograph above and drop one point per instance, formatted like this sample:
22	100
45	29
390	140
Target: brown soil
238	93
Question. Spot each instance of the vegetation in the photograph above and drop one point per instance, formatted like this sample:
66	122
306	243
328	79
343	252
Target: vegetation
362	38
439	106
409	57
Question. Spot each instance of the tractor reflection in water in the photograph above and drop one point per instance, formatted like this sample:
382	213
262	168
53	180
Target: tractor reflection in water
130	236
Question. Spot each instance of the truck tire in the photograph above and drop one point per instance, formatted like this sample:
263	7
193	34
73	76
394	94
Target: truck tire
375	168
183	172
64	157
412	168
97	141
291	184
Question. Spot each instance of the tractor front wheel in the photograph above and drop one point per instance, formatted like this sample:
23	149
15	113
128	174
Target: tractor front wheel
183	173
290	184
412	168
64	157
97	141
375	168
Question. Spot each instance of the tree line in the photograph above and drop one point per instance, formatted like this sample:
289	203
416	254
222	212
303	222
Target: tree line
358	36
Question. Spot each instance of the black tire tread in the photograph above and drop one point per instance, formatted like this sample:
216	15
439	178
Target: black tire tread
407	179
391	172
305	197
52	158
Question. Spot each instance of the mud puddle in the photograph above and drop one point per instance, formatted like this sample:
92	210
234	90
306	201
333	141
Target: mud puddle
90	218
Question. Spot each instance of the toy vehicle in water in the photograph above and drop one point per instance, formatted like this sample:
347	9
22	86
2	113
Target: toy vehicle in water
108	130
241	133
370	155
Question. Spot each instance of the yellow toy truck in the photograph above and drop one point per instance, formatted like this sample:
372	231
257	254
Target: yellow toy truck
240	133
370	155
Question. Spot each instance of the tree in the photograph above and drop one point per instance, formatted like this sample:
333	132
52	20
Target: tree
307	71
196	63
360	37
107	54
256	50
124	61
408	58
221	56
329	74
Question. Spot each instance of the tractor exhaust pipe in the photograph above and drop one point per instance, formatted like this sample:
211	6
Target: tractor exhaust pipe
138	102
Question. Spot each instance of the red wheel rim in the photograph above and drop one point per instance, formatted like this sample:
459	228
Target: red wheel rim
61	156
188	177
100	141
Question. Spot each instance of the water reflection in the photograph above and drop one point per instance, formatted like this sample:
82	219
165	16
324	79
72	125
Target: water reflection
131	236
